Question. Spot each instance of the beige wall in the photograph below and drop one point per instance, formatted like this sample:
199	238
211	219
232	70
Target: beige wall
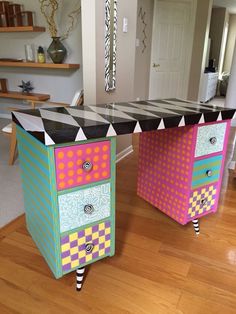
125	56
200	42
218	21
125	53
88	16
125	59
230	43
143	58
231	90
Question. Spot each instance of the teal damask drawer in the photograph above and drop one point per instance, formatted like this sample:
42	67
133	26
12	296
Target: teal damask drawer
85	206
206	171
210	139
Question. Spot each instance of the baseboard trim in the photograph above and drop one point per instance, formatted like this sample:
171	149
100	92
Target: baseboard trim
12	225
121	155
233	122
5	115
232	165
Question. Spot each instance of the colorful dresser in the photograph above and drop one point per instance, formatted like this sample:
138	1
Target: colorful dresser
67	156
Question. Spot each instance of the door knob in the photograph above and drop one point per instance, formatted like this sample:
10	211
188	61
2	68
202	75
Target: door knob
213	140
89	247
209	173
156	65
88	209
87	166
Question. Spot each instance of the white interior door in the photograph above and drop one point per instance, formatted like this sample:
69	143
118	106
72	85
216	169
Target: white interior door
169	49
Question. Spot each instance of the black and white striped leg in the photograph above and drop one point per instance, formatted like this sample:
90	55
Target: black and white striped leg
196	226
79	278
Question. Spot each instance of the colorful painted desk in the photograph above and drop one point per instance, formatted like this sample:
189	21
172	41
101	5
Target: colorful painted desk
67	156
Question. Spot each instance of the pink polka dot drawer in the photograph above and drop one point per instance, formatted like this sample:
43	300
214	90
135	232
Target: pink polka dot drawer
82	164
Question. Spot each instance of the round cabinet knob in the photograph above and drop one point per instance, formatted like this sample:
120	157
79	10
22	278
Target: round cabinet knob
89	247
88	209
209	173
204	201
213	140
87	166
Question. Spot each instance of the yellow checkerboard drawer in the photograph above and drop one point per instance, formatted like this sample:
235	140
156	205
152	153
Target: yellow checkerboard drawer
85	246
201	201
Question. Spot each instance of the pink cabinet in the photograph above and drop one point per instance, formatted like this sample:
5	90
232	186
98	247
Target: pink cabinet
185	163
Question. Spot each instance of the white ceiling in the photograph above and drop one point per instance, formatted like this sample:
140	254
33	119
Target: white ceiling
229	4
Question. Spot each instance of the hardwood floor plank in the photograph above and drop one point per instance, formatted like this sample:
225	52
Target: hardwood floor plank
17	274
209	291
218	278
136	240
155	259
26	247
142	286
23	302
22	239
195	258
12	226
151	272
23	257
190	303
6	310
39	286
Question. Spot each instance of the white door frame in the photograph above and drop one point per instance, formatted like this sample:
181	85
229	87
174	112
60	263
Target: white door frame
189	47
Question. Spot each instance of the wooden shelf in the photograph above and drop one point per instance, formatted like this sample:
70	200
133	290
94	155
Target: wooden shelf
65	66
16	29
19	95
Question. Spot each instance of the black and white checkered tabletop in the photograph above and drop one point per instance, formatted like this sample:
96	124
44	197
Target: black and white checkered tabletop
71	124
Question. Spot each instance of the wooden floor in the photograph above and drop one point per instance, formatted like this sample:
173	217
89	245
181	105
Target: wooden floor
159	266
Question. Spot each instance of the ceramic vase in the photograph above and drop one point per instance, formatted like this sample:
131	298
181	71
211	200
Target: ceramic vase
57	50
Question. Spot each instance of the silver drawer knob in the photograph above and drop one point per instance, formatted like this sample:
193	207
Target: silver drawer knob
87	166
213	140
204	201
88	209
209	173
89	247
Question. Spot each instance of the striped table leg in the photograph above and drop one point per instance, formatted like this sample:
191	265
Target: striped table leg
196	226
79	278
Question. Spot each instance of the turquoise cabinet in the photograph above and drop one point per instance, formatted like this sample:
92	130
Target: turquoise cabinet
76	226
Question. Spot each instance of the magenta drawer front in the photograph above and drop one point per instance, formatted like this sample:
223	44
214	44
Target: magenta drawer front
82	164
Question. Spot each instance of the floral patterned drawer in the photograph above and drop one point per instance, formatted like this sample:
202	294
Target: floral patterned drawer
210	139
86	246
85	206
82	164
